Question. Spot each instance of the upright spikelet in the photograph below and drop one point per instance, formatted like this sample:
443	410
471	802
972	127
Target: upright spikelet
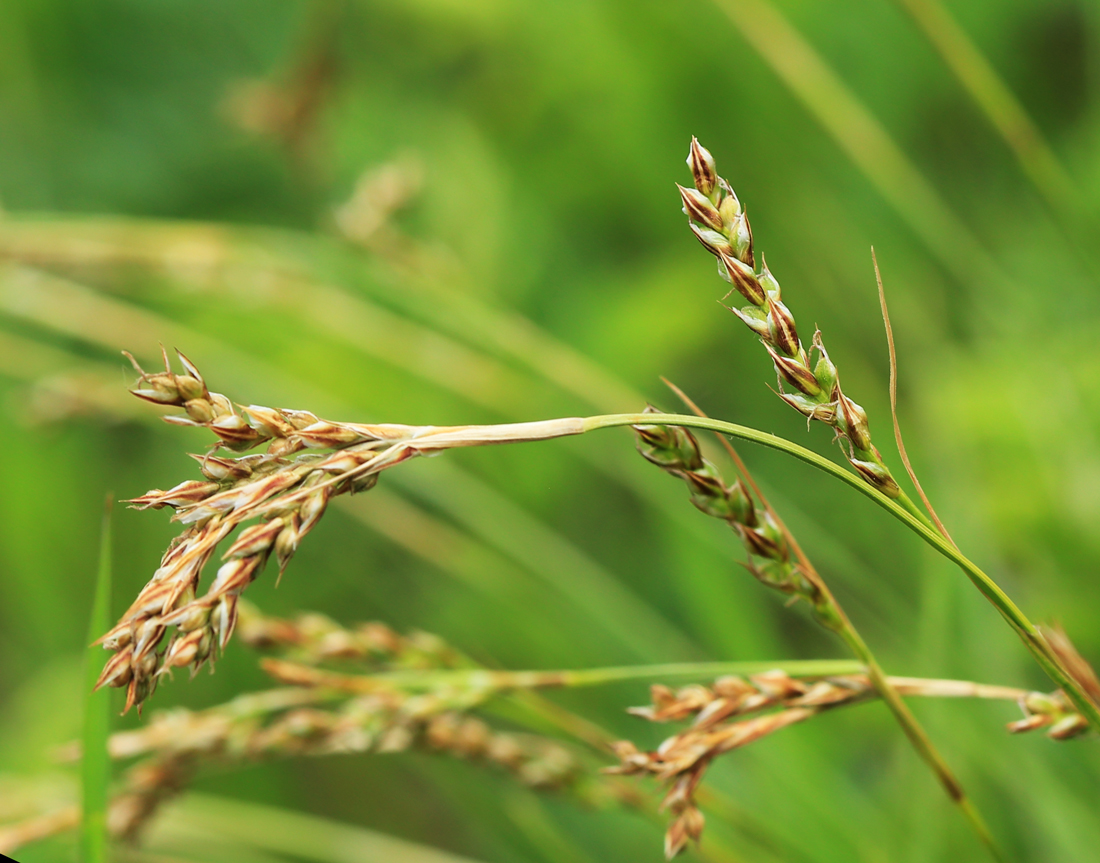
808	380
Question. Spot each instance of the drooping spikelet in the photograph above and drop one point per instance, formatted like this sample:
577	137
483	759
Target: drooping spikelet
683	759
285	490
677	452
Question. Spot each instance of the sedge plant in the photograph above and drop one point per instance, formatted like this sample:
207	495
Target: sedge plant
248	505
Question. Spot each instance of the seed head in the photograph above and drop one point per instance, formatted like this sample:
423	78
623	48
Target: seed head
852	421
701	163
794	373
781	329
698	207
742	277
712	241
878	476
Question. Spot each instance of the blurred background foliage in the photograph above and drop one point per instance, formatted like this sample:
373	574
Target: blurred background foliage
187	173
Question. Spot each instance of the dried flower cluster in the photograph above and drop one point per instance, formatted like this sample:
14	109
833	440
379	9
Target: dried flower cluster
313	639
718	220
684	758
286	490
1052	711
676	450
323	713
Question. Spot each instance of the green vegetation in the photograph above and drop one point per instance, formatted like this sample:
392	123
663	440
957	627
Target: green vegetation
449	213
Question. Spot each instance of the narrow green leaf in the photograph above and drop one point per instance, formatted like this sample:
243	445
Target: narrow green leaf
96	764
282	831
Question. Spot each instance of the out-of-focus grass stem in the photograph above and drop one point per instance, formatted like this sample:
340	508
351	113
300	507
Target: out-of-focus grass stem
863	138
95	771
999	104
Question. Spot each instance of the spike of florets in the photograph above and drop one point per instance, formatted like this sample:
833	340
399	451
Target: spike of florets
807	379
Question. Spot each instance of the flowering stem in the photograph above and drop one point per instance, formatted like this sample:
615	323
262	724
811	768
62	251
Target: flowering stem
908	515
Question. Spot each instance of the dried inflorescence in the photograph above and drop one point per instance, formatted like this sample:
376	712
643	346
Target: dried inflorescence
286	490
322	713
676	450
315	638
811	386
1054	711
684	758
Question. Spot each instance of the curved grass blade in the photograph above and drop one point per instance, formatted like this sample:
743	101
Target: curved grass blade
1000	105
863	138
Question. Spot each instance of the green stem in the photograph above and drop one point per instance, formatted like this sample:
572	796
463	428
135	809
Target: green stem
484	678
989	588
919	738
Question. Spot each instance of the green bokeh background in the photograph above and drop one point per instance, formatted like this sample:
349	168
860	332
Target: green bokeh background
148	195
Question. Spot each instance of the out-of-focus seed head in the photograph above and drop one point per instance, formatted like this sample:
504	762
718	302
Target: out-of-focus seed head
701	163
1029	723
686	826
698	207
1068	727
1042	702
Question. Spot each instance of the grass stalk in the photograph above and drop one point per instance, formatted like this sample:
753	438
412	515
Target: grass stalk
908	514
999	104
863	138
95	769
843	626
